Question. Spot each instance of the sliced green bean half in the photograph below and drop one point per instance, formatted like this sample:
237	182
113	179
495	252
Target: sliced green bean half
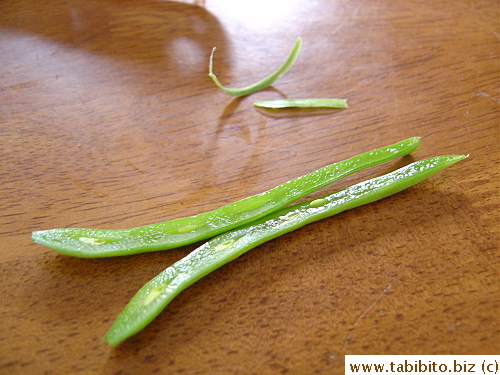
97	243
153	297
261	85
303	103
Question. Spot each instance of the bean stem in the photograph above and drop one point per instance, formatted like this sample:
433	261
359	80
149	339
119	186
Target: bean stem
263	84
302	103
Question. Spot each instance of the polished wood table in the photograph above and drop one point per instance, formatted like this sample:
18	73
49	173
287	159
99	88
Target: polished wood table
108	119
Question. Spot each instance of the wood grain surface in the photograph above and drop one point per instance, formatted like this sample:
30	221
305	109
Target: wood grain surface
108	119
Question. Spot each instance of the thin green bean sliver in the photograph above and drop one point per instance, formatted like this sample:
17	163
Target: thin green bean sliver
96	243
303	103
263	84
153	297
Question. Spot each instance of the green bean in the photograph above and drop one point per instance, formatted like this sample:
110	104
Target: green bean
153	297
302	103
96	243
261	85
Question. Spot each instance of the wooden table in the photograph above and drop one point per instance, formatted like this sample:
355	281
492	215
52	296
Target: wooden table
109	120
